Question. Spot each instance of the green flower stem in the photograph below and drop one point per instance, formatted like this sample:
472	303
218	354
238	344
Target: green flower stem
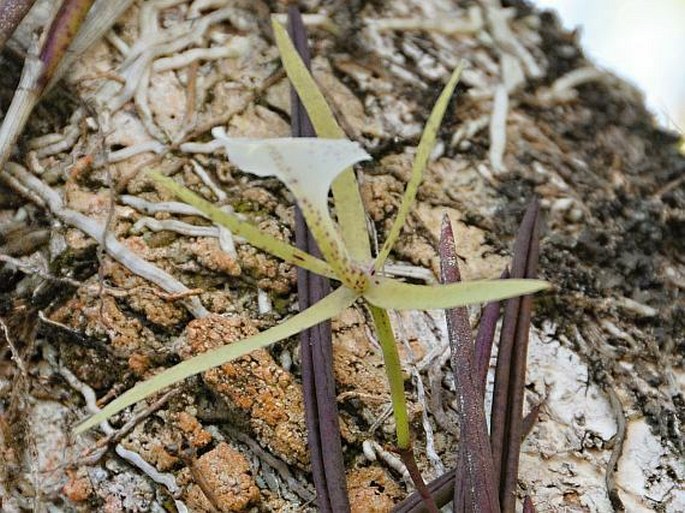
393	370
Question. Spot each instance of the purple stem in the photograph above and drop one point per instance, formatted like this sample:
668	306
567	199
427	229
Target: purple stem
409	460
441	489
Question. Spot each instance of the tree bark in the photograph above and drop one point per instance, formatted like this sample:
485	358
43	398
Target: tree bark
532	117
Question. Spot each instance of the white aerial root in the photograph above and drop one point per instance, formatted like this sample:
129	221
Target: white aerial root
97	230
237	47
118	43
69	138
213	146
44	140
410	271
264	305
421	399
152	44
498	21
498	128
172	225
132	457
468	129
431	453
635	307
373	451
472	25
143	107
514	58
564	88
513	75
321	21
226	239
201	172
169	207
144	57
131	151
227	242
196	8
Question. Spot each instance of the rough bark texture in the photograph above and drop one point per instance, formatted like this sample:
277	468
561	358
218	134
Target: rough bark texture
531	116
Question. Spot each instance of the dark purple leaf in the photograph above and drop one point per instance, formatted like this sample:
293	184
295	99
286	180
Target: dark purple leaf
507	409
321	412
62	31
479	492
514	334
485	338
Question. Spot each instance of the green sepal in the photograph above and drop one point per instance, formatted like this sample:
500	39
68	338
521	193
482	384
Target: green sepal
395	295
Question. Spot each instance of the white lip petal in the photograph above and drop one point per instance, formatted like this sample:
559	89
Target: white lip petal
307	166
311	161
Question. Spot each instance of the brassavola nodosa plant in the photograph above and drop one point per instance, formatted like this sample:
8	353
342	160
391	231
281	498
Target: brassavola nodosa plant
310	168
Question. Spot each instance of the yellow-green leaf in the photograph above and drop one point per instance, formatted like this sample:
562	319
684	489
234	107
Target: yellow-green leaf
391	294
328	307
426	145
348	202
254	235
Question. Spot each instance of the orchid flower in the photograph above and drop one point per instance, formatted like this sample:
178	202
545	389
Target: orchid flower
310	168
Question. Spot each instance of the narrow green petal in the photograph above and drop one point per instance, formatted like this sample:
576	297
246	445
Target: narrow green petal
395	295
251	233
348	202
426	145
328	307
